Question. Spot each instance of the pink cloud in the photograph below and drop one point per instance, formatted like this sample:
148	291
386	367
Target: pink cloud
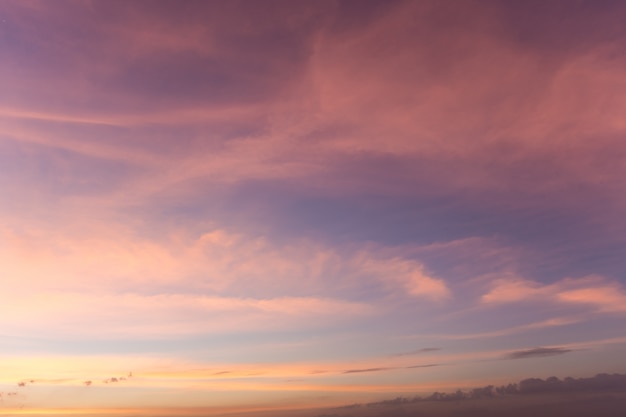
139	316
608	298
594	291
354	80
410	274
88	276
407	94
512	290
543	324
219	261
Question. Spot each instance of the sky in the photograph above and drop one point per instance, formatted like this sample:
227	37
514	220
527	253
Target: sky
240	206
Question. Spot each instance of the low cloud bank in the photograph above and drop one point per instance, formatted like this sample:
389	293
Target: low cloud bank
605	393
598	383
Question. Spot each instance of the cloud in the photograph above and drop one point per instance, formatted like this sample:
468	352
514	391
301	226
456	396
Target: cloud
576	396
608	298
171	314
357	371
512	290
537	352
224	268
554	322
317	91
594	291
379	369
317	126
430	365
418	351
428	349
410	273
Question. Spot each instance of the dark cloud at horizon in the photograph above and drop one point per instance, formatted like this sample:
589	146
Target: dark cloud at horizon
602	395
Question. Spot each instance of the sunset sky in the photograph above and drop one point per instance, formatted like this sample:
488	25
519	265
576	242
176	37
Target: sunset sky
211	206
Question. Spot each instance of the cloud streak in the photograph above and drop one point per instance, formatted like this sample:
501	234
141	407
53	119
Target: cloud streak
539	352
358	371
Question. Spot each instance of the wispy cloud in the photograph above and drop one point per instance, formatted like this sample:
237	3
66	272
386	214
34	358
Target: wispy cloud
419	351
162	315
358	371
430	365
554	322
242	279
